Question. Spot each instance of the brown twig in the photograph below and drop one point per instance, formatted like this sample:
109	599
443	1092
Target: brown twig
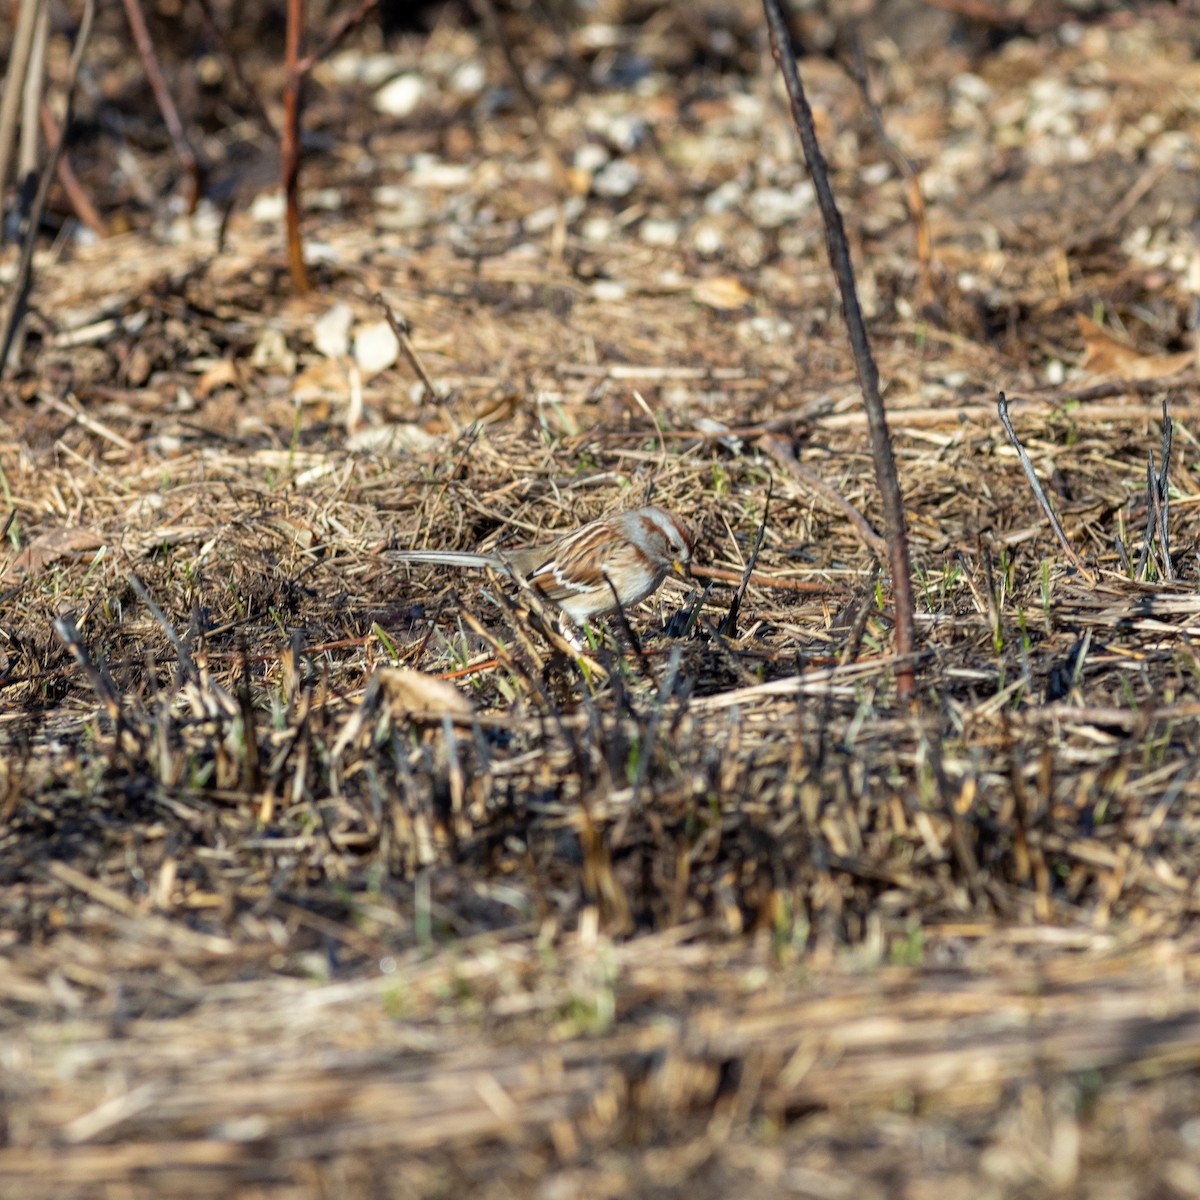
896	548
399	326
1039	491
344	25
290	145
81	202
164	99
780	449
293	100
19	290
902	163
758	579
218	34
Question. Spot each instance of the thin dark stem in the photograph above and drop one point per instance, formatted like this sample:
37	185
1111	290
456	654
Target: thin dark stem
218	34
399	326
916	198
162	95
1164	498
864	363
1151	520
728	624
1039	491
81	202
290	145
344	25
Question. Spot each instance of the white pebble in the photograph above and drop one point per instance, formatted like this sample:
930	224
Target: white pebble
267	207
331	331
468	78
659	232
430	172
375	347
617	179
608	289
590	157
400	97
725	198
771	207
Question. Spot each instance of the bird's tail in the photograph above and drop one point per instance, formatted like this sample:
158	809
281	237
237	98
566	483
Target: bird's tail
446	558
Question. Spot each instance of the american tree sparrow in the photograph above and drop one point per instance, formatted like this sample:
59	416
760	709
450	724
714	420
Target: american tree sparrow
632	551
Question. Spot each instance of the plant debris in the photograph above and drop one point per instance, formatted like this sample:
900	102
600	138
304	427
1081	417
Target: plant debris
322	874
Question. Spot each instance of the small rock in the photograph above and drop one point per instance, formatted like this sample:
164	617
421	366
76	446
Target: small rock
268	207
771	207
659	232
271	354
617	179
400	97
353	66
331	331
468	79
426	171
707	239
608	290
596	229
375	348
591	157
724	199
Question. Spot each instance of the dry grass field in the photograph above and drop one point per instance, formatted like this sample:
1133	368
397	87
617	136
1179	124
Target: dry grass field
322	875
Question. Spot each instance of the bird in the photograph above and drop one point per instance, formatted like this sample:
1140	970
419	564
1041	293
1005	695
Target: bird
616	561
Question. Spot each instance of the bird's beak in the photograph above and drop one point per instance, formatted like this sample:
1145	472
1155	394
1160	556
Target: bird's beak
682	569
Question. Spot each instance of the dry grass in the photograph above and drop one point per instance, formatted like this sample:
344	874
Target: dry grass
712	913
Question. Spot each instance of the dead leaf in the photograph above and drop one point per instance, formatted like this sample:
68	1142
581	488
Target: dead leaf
222	374
1104	355
48	547
325	379
401	438
415	692
722	292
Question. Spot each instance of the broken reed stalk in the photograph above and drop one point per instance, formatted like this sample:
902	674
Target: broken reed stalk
18	67
35	84
1157	506
1152	516
728	624
1039	491
164	99
19	289
864	362
1164	499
